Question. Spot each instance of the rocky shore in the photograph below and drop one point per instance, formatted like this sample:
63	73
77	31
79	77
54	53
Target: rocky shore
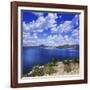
54	68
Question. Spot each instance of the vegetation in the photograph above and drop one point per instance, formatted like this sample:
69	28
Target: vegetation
49	68
76	60
53	63
46	69
37	71
67	64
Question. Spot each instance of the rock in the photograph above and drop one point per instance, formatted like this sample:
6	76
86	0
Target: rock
41	67
31	73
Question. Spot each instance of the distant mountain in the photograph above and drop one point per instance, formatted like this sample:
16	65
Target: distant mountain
63	46
42	46
69	46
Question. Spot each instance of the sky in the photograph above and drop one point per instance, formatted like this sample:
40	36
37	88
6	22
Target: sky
50	28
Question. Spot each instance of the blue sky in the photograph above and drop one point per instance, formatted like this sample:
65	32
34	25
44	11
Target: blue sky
50	29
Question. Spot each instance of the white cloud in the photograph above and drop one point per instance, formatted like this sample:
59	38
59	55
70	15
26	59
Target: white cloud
65	27
51	40
38	13
52	16
25	26
42	23
54	29
75	33
29	39
25	35
55	40
75	20
34	26
35	35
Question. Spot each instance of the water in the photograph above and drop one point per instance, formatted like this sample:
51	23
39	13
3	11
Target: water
41	56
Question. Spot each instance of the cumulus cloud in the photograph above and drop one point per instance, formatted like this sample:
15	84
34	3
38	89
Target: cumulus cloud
67	25
58	32
37	13
41	23
75	32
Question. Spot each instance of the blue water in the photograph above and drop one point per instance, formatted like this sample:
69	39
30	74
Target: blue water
40	56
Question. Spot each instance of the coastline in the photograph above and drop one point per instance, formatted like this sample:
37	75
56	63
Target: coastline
54	68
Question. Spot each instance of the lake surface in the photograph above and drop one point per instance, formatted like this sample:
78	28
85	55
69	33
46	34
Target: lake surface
41	56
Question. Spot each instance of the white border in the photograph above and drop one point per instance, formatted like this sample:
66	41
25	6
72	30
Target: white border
53	78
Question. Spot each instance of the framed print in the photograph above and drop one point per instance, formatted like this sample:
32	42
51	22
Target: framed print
48	44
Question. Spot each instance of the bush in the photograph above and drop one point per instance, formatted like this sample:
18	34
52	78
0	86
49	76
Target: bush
47	68
76	60
49	65
50	70
66	62
38	71
67	66
54	61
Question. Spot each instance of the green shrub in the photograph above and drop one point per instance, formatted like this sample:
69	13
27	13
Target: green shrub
50	70
54	62
76	60
49	64
66	62
67	66
38	71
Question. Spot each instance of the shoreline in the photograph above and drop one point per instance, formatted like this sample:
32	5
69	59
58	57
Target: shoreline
54	68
